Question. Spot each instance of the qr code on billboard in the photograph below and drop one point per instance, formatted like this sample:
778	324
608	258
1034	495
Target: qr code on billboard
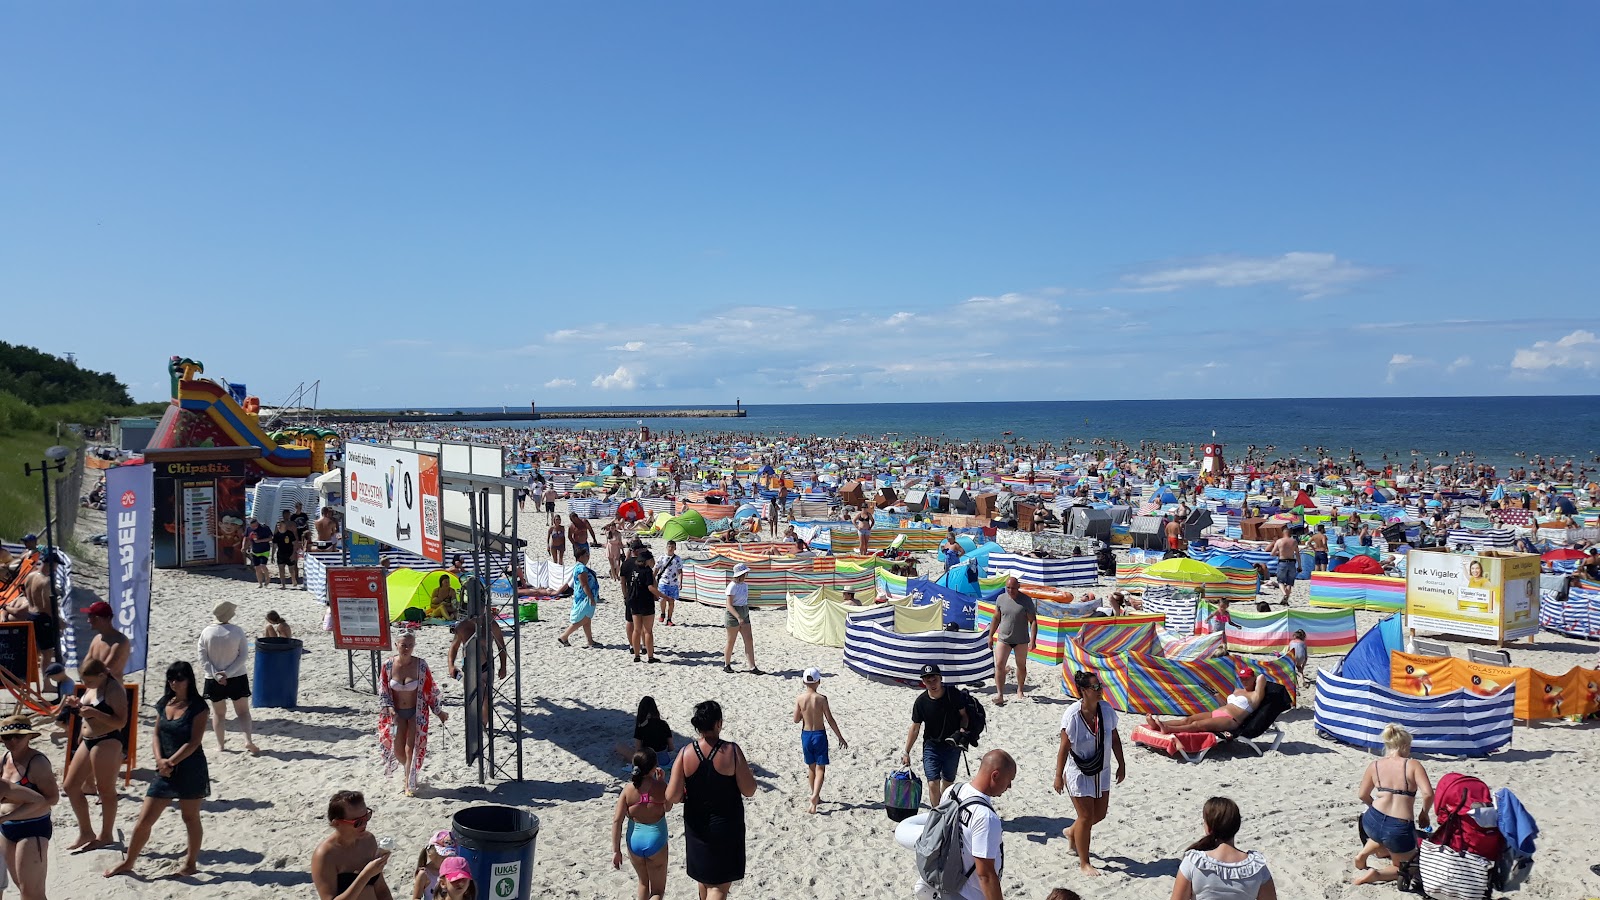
430	517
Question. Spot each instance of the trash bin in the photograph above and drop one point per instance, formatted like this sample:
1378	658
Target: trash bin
276	682
497	842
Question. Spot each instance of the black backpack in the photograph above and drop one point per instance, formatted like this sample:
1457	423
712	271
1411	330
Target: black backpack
977	718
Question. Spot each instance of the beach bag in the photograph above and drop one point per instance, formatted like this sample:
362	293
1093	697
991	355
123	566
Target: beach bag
939	846
1448	874
902	794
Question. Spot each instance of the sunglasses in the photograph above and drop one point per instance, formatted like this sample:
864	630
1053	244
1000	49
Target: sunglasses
1095	686
360	821
14	737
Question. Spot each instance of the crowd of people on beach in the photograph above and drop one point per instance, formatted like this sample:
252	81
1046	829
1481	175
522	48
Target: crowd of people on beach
710	779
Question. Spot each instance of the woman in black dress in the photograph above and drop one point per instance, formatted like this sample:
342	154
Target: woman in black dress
181	771
711	782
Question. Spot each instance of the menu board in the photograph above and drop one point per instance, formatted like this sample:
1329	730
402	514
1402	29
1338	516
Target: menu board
358	598
199	541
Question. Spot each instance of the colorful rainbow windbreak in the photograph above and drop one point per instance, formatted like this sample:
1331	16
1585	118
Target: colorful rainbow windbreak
1143	680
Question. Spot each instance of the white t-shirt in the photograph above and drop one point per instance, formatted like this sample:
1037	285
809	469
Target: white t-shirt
739	593
980	839
222	650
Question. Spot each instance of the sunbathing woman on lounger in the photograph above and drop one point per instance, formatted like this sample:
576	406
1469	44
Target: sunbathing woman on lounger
1228	718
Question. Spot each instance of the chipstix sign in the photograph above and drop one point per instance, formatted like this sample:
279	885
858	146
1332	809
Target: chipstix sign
392	495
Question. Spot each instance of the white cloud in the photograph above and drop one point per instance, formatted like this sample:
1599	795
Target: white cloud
1578	350
560	383
1461	362
1311	275
1401	361
899	318
629	347
621	380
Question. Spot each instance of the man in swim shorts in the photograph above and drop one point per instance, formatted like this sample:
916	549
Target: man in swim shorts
1287	550
811	710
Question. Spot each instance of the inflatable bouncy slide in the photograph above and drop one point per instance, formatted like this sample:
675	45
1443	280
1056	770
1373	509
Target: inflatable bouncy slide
205	414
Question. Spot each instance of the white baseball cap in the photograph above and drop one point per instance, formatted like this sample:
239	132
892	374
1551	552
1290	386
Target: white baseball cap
812	675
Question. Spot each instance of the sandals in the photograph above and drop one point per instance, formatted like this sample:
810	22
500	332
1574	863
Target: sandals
728	669
653	659
563	642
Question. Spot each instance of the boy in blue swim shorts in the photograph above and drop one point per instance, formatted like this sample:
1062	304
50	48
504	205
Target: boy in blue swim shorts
811	710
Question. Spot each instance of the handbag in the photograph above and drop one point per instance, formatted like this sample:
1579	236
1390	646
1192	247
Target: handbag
902	794
1094	763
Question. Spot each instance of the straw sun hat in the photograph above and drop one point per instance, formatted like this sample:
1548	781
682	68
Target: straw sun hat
14	726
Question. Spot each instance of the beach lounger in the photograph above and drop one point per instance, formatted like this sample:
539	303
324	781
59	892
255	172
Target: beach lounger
1194	746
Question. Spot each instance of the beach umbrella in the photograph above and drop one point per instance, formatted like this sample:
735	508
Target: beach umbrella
585	484
1181	568
1563	554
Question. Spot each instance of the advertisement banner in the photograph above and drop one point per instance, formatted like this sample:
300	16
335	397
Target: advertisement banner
392	495
358	600
130	507
363	550
1488	596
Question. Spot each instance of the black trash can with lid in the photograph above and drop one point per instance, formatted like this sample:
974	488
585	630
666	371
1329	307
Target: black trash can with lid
498	844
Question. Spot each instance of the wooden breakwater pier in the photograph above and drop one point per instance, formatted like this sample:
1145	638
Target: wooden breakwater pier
353	416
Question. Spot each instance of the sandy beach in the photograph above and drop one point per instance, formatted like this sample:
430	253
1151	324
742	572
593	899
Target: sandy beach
265	814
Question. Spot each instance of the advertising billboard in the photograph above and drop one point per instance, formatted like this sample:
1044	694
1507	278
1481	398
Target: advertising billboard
1492	596
392	495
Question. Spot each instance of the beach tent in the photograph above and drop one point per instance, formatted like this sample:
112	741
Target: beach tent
410	588
683	526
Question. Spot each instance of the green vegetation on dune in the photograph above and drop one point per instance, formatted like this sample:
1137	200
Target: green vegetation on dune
43	400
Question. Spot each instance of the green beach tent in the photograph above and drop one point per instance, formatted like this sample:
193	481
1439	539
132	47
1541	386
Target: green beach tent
411	588
685	525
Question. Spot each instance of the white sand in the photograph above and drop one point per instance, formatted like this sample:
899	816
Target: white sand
266	813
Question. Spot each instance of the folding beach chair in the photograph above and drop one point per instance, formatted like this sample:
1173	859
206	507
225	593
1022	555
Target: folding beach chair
1257	732
1431	648
1489	657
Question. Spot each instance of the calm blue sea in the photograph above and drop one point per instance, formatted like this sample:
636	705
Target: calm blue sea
1495	428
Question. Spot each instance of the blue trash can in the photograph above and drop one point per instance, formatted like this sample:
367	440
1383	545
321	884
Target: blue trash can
497	843
276	682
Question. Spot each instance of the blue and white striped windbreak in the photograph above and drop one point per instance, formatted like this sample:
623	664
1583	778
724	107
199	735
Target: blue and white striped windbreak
1454	724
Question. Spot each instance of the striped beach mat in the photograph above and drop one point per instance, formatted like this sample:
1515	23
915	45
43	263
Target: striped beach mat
1330	632
1452	724
1374	593
873	647
1070	572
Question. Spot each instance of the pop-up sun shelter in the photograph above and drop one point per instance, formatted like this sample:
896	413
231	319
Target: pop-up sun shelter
409	588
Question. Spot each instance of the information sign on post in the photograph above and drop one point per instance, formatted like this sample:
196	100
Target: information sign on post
392	495
359	600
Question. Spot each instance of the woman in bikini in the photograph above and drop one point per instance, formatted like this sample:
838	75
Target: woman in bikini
408	694
1226	718
348	864
102	718
276	627
26	830
556	541
643	805
1392	787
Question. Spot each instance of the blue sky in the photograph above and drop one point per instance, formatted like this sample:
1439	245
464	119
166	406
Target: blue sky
824	202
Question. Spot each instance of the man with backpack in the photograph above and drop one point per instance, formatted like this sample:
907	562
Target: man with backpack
944	712
959	853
